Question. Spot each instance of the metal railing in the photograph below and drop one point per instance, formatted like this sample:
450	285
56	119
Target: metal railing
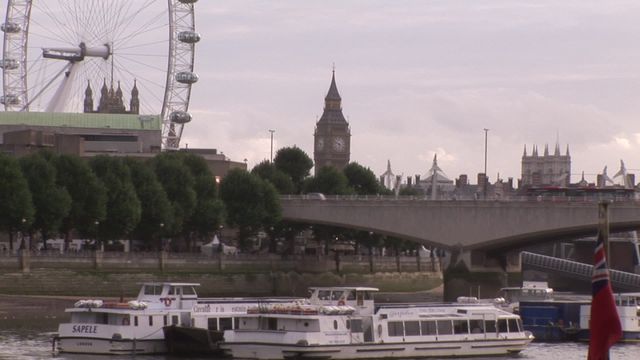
450	197
577	269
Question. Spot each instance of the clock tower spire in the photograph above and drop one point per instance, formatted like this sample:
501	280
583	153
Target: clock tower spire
332	136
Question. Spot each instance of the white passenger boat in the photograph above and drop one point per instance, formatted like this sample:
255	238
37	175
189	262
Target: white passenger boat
628	306
134	327
209	319
344	323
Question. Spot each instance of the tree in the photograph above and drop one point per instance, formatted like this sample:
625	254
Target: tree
178	183
362	180
88	196
210	211
123	206
370	240
268	171
16	206
251	203
295	163
328	180
52	202
156	212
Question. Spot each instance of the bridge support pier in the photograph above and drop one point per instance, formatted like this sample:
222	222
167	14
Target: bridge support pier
480	274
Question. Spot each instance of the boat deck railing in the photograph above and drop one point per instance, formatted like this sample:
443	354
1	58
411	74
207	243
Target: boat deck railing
619	279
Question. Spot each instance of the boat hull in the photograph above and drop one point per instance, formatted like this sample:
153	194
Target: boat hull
88	345
627	336
376	350
188	340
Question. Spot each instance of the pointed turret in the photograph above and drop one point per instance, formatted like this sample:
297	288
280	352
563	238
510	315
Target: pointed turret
88	98
333	93
534	151
567	150
556	152
134	104
524	153
546	150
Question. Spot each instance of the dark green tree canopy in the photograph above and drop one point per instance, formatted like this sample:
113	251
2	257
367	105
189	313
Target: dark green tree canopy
156	211
251	202
178	183
88	194
210	211
362	180
123	205
329	181
281	181
294	162
15	198
51	201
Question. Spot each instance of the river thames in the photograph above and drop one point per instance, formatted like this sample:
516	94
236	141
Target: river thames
27	326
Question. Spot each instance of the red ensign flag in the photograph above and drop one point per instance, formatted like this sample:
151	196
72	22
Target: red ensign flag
605	326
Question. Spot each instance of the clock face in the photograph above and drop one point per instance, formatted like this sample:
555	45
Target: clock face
339	144
320	143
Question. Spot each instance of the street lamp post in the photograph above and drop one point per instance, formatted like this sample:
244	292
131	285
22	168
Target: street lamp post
271	157
484	186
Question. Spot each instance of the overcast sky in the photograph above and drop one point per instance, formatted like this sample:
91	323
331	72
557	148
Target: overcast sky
419	78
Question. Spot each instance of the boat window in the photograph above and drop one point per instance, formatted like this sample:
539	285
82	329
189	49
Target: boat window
152	289
360	298
188	290
428	327
150	320
395	328
502	325
174	319
272	324
490	326
335	324
104	319
355	324
351	295
212	324
236	323
513	325
460	326
135	321
367	295
444	327
412	328
324	294
165	320
476	326
336	295
226	323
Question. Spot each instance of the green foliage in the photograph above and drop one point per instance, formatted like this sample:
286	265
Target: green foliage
156	211
362	180
329	181
409	191
88	194
52	202
210	211
251	202
295	163
15	197
281	181
123	206
178	183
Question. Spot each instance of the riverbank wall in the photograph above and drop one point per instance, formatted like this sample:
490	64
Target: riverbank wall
120	274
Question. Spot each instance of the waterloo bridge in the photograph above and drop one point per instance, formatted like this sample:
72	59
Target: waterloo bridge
484	235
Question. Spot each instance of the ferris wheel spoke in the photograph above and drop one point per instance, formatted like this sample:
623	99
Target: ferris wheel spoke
125	22
68	32
143	45
143	29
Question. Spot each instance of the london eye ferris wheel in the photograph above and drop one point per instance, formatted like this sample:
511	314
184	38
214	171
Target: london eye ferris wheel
54	50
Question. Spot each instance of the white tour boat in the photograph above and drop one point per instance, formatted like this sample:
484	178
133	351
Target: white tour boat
344	323
134	327
628	306
209	319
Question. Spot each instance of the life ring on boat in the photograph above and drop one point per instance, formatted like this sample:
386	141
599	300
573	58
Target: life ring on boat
341	302
167	301
125	321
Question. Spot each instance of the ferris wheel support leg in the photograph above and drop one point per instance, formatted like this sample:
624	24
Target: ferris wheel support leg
59	99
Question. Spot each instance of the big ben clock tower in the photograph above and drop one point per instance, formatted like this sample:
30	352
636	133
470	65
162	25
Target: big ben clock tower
332	136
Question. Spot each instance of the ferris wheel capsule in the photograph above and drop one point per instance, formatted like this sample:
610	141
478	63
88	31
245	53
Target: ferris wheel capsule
180	117
9	100
187	77
189	37
9	64
188	1
11	27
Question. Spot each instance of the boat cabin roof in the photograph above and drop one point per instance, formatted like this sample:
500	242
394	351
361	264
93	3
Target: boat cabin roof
343	288
169	284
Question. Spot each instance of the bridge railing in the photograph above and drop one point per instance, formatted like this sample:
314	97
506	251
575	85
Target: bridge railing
578	270
456	197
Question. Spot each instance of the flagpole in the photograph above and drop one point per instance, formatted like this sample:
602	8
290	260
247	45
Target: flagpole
603	227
